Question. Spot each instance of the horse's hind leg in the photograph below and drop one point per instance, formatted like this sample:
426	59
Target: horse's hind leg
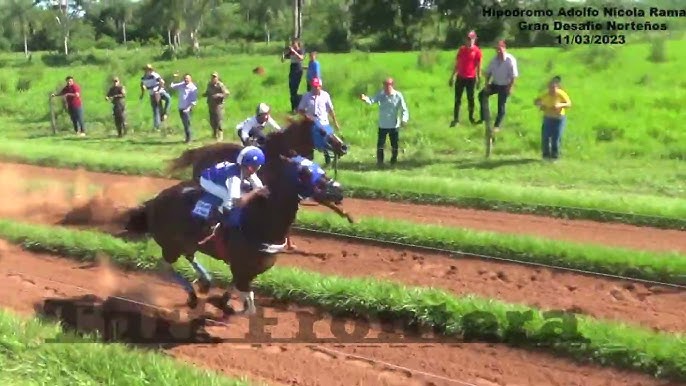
205	279
171	258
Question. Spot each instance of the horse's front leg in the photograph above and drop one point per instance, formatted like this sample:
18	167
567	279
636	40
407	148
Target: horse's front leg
337	210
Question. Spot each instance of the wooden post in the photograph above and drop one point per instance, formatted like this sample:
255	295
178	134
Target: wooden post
297	18
53	122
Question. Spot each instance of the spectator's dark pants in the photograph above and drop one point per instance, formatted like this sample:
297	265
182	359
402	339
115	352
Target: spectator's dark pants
164	102
381	143
502	99
76	115
216	117
186	121
551	136
119	113
460	86
294	77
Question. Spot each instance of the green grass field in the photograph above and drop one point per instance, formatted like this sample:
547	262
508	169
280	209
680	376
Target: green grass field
36	352
622	146
605	342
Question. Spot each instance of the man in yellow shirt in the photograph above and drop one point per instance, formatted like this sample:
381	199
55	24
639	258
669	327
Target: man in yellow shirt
553	103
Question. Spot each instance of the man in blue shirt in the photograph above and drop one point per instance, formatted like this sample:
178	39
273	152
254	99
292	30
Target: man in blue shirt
313	70
391	102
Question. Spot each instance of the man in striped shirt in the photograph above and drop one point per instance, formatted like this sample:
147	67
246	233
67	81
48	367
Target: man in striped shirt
152	82
391	104
502	70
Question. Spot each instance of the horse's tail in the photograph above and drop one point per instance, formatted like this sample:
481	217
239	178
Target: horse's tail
187	158
137	223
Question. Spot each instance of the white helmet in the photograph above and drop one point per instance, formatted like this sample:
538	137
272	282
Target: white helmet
262	108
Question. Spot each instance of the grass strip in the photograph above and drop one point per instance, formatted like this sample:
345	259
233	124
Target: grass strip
26	358
660	212
607	343
667	267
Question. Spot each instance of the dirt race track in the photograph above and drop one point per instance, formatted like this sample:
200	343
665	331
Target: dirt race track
30	278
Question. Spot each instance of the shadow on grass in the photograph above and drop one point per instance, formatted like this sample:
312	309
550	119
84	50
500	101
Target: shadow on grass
371	166
493	164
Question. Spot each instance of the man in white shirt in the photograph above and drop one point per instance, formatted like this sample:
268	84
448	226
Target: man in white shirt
253	127
160	100
500	77
188	98
317	106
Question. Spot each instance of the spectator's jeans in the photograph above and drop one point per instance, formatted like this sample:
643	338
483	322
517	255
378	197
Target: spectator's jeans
381	143
186	121
460	85
294	77
551	136
502	99
76	115
165	100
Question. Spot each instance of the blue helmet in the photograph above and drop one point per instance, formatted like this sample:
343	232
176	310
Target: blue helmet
251	156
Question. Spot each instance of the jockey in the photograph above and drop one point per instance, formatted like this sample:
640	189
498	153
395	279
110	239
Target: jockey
253	126
225	180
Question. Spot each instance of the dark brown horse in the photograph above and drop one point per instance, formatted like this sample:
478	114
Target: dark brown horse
300	136
249	249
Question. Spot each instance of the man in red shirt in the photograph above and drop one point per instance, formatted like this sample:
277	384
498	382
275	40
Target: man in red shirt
72	93
467	70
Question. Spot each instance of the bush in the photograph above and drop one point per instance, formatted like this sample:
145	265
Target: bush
658	51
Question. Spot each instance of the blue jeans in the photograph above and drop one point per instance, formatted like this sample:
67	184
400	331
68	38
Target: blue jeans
76	115
502	100
165	101
186	121
551	136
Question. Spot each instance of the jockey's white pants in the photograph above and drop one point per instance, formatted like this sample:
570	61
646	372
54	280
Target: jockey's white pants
217	190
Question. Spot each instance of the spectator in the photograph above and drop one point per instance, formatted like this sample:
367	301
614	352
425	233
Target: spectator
116	95
467	71
313	70
188	98
502	70
154	84
216	93
317	105
553	103
391	103
295	74
72	93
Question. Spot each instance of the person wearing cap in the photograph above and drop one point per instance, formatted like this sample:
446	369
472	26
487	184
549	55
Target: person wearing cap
72	95
316	105
314	70
216	93
116	95
391	105
501	74
553	104
152	82
467	70
296	54
253	127
188	99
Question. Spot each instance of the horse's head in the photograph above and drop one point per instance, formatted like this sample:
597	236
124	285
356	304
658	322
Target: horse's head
311	180
306	136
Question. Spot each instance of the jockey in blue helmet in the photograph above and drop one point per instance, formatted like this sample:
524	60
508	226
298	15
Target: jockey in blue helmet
225	180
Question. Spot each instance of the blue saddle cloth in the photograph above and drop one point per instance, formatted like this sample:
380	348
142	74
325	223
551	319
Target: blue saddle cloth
207	207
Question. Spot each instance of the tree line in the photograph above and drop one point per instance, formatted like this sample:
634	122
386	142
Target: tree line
67	26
